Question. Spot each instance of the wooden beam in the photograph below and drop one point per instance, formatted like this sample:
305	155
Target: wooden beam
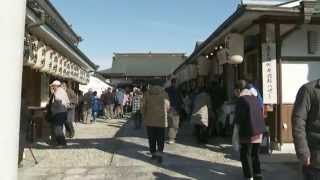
284	20
301	58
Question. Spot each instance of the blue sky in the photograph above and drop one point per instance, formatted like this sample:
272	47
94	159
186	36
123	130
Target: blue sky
125	26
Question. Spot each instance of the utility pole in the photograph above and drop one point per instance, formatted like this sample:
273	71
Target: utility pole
12	23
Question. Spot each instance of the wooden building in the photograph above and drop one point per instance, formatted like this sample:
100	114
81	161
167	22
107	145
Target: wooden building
142	68
276	44
50	53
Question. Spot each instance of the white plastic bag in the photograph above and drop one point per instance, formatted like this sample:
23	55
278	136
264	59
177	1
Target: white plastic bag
235	138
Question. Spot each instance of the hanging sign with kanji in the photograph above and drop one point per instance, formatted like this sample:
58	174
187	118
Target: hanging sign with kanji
269	73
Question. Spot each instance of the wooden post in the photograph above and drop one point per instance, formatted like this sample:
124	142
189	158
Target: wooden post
279	81
12	23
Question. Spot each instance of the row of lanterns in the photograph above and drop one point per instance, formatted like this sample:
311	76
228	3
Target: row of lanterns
231	53
187	73
43	58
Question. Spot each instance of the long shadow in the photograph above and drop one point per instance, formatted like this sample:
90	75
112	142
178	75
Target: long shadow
190	167
215	144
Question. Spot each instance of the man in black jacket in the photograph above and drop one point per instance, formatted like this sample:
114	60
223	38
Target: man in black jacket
306	129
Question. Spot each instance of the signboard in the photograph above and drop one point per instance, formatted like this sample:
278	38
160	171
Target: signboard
269	73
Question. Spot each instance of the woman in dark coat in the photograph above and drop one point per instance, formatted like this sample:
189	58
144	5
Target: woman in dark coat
249	119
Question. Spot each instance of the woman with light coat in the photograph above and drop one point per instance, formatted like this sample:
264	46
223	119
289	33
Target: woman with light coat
155	109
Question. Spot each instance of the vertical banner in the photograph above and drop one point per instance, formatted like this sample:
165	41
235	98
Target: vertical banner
269	73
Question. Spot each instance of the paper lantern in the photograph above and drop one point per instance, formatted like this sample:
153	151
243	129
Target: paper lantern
41	56
76	73
55	64
223	56
70	69
87	77
30	51
62	61
203	66
48	60
65	65
234	44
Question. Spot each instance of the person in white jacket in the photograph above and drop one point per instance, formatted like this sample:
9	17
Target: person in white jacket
59	104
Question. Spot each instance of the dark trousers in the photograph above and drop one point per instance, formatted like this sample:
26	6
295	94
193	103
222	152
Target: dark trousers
201	133
156	137
310	173
58	121
249	156
69	123
137	120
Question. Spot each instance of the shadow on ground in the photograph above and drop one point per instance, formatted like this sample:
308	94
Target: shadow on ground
123	146
119	145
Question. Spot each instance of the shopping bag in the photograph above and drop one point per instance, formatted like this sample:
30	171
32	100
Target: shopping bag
235	138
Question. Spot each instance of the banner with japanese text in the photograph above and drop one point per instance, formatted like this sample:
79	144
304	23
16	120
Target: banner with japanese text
269	73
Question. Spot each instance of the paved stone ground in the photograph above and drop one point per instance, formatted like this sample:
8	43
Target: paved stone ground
113	150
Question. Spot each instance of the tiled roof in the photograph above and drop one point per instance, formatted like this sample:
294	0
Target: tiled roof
145	64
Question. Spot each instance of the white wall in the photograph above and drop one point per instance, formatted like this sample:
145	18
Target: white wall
297	43
96	84
12	23
294	75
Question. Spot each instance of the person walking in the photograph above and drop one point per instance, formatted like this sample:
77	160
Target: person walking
71	110
119	98
125	103
306	129
173	116
136	108
155	108
249	119
201	114
108	101
79	107
94	106
59	111
86	107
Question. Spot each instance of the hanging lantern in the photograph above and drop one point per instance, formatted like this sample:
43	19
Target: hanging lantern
203	66
83	77
55	64
41	56
62	60
64	70
87	78
30	51
223	56
68	69
48	60
234	44
76	72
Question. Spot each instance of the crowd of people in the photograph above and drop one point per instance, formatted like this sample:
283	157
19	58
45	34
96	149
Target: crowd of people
167	109
163	110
